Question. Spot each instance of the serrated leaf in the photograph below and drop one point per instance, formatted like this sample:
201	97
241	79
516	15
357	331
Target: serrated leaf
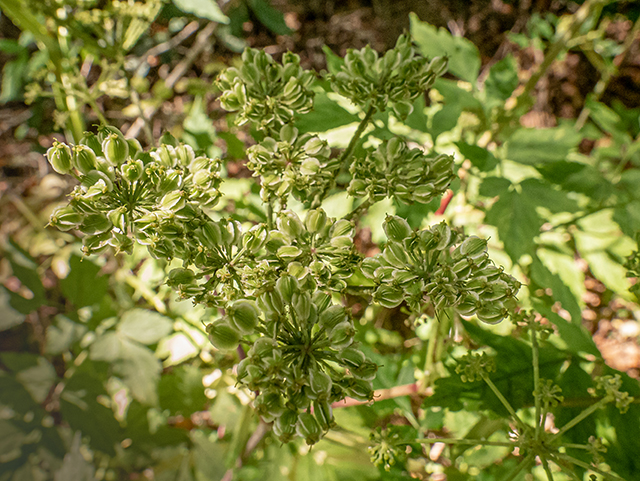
83	286
144	326
517	221
544	194
208	9
479	157
539	146
140	371
464	57
326	115
502	79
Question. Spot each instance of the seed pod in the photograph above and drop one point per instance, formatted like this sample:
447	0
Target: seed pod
184	154
255	238
302	306
341	227
367	371
95	224
173	201
244	316
262	348
115	148
84	159
59	156
316	220
132	170
369	266
439	65
92	141
324	414
118	218
473	247
288	253
396	228
134	147
269	406
180	276
285	426
320	384
210	235
395	255
322	300
286	286
360	390
65	218
222	335
308	428
388	296
332	316
352	357
341	335
289	223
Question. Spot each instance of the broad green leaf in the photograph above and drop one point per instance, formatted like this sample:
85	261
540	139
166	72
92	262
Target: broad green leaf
444	119
208	9
62	334
517	221
270	17
502	79
235	147
606	118
144	326
74	466
186	380
25	269
10	317
494	186
545	195
140	371
539	146
453	94
37	380
479	157
207	456
83	286
464	57
628	217
11	441
108	347
326	115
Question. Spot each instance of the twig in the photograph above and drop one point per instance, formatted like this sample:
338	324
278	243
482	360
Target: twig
201	42
384	394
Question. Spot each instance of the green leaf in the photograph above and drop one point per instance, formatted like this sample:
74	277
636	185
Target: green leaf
10	317
544	194
83	286
75	467
62	334
144	326
628	217
494	186
270	17
517	221
479	157
208	9
444	119
235	147
326	115
538	146
464	57
37	380
502	79
106	347
187	381
26	270
140	371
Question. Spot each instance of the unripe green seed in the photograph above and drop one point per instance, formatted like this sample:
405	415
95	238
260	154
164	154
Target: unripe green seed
91	140
342	227
65	218
396	228
332	316
388	296
473	247
210	235
352	357
132	170
222	335
84	159
324	414
244	316
95	224
367	371
115	148
316	220
320	383
59	156
289	223
341	335
287	286
308	428
180	276
439	65
288	253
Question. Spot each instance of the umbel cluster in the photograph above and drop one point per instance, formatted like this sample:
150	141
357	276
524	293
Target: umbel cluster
277	284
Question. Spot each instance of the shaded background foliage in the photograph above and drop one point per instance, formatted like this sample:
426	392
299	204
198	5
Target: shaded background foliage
88	390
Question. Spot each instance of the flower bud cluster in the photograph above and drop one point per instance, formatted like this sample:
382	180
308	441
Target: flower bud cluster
387	448
397	78
473	367
303	361
394	170
632	264
294	164
126	194
264	92
441	267
609	386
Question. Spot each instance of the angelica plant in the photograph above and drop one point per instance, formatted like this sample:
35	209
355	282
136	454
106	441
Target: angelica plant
278	285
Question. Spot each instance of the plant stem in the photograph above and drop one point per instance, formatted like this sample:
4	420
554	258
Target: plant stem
502	399
463	442
545	465
384	394
356	136
586	466
536	380
584	414
519	467
577	19
359	211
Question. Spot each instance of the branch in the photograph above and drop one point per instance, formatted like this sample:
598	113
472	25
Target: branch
384	394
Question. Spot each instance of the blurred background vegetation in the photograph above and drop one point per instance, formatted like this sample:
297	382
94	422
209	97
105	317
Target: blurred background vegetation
105	374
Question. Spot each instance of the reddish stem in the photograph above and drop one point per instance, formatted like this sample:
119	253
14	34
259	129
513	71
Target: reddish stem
445	202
